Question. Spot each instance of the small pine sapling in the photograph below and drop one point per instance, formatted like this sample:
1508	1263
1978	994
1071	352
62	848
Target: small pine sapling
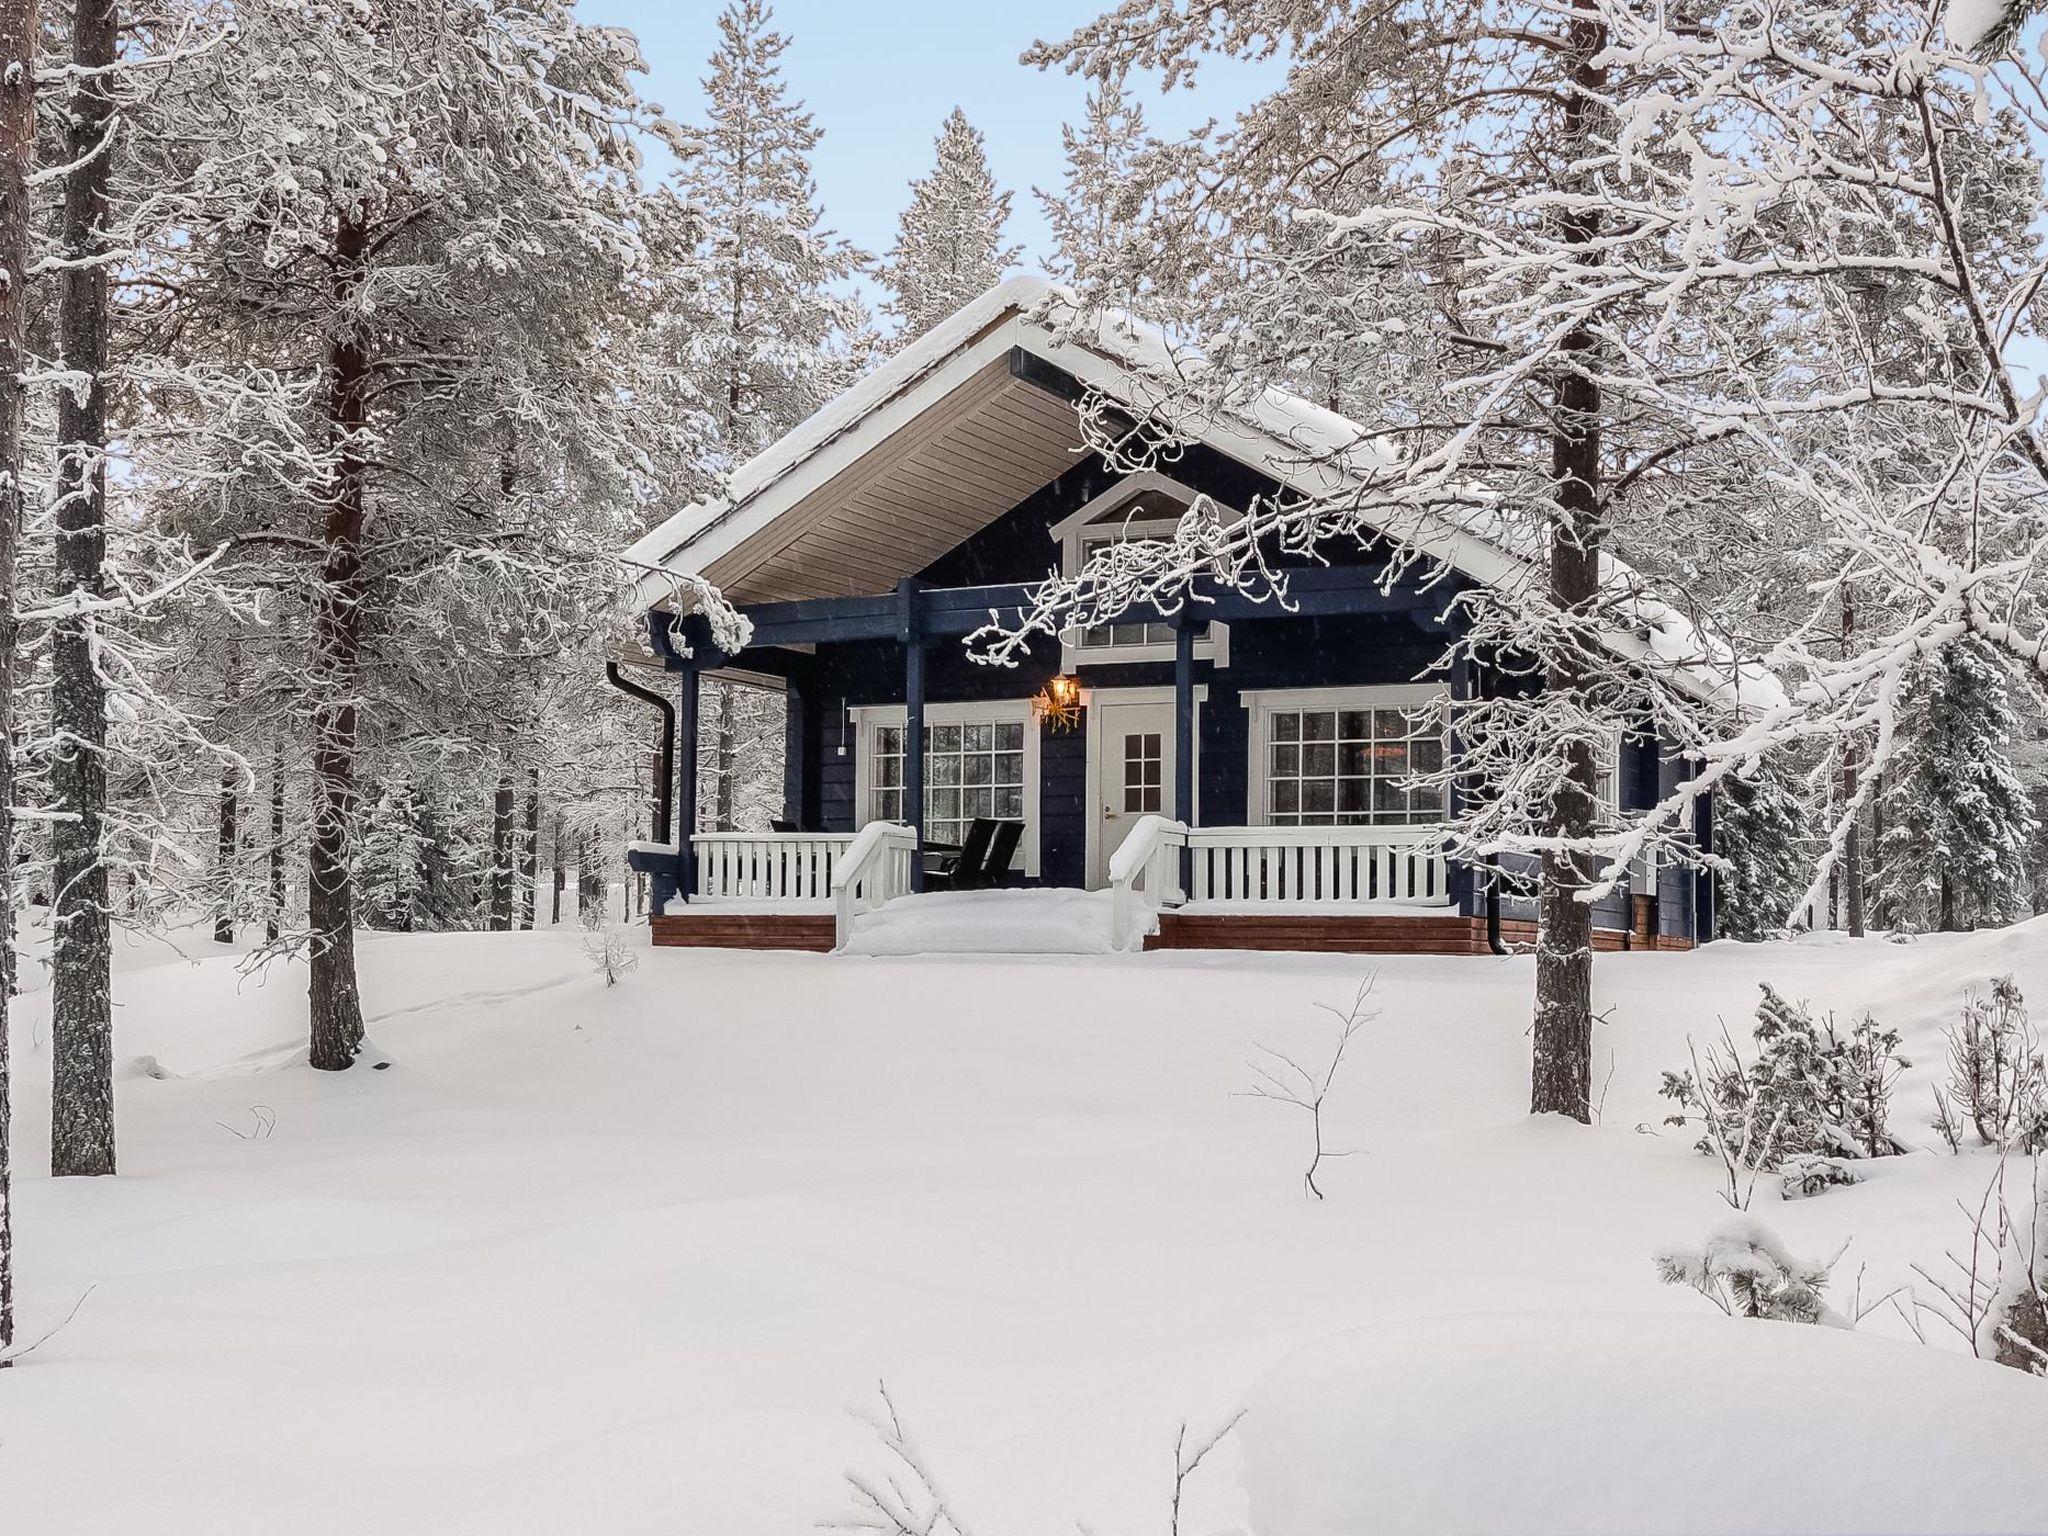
1811	1094
1998	1083
611	953
1745	1269
1285	1080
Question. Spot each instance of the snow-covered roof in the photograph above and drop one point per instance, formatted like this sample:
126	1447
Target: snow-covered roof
1306	448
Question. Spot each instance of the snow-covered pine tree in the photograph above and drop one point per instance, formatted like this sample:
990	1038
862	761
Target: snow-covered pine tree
428	224
1483	304
949	242
1958	822
767	335
1765	832
18	44
1093	215
391	854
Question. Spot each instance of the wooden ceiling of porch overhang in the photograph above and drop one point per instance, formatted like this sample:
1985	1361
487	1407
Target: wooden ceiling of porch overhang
942	477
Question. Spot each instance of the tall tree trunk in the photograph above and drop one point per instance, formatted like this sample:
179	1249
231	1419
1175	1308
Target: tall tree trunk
501	857
1852	843
81	948
1561	1076
1945	919
17	155
728	749
529	851
226	850
333	993
561	850
273	924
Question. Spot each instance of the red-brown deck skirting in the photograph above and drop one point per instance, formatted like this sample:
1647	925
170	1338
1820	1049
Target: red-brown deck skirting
746	930
1332	934
1363	935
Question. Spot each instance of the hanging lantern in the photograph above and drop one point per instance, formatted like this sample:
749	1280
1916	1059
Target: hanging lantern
1059	702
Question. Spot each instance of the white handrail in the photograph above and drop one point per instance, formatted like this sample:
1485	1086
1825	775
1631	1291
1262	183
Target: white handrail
1142	863
769	866
875	868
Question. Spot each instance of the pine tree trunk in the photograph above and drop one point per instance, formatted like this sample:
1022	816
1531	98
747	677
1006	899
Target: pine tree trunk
333	993
529	851
1852	844
559	877
274	924
727	750
1561	1077
226	849
81	949
501	857
1947	918
18	28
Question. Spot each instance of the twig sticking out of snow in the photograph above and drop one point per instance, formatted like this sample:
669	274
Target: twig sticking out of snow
1284	1080
1186	1458
8	1357
905	1501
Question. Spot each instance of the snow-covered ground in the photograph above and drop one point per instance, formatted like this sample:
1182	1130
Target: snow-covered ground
621	1261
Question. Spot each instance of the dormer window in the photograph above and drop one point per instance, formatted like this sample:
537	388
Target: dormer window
1147	505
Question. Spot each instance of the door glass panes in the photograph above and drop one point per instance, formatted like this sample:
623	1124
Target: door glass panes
1142	762
974	768
1349	767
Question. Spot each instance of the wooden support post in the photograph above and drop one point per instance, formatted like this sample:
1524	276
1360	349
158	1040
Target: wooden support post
1705	892
686	787
795	747
1463	887
1184	735
913	729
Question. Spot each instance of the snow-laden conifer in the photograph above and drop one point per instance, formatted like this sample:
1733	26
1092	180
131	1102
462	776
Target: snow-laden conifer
949	242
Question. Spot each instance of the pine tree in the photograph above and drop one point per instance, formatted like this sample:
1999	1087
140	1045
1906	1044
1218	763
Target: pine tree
766	334
1091	217
1958	822
949	243
1763	829
390	859
17	159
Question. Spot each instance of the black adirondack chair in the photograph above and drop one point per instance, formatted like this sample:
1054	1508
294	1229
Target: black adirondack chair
1001	850
948	868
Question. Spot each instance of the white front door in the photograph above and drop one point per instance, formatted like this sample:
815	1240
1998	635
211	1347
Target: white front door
1130	771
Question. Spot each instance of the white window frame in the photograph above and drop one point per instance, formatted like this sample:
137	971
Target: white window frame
1261	704
1073	532
870	718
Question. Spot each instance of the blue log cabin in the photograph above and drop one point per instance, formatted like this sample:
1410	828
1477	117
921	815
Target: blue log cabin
1239	778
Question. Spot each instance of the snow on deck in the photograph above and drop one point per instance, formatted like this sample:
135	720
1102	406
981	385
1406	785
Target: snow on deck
619	1260
1047	920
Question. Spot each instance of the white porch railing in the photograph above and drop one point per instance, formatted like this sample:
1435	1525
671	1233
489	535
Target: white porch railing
1294	867
875	868
769	866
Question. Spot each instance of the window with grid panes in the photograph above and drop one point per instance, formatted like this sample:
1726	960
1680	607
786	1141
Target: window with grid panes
1114	636
974	768
1347	767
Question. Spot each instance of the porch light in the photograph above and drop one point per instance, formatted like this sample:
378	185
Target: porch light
1059	702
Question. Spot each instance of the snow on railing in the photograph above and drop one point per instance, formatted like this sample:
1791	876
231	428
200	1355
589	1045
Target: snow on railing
875	868
769	866
1144	867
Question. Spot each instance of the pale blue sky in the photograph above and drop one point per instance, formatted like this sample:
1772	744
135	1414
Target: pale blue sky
881	76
